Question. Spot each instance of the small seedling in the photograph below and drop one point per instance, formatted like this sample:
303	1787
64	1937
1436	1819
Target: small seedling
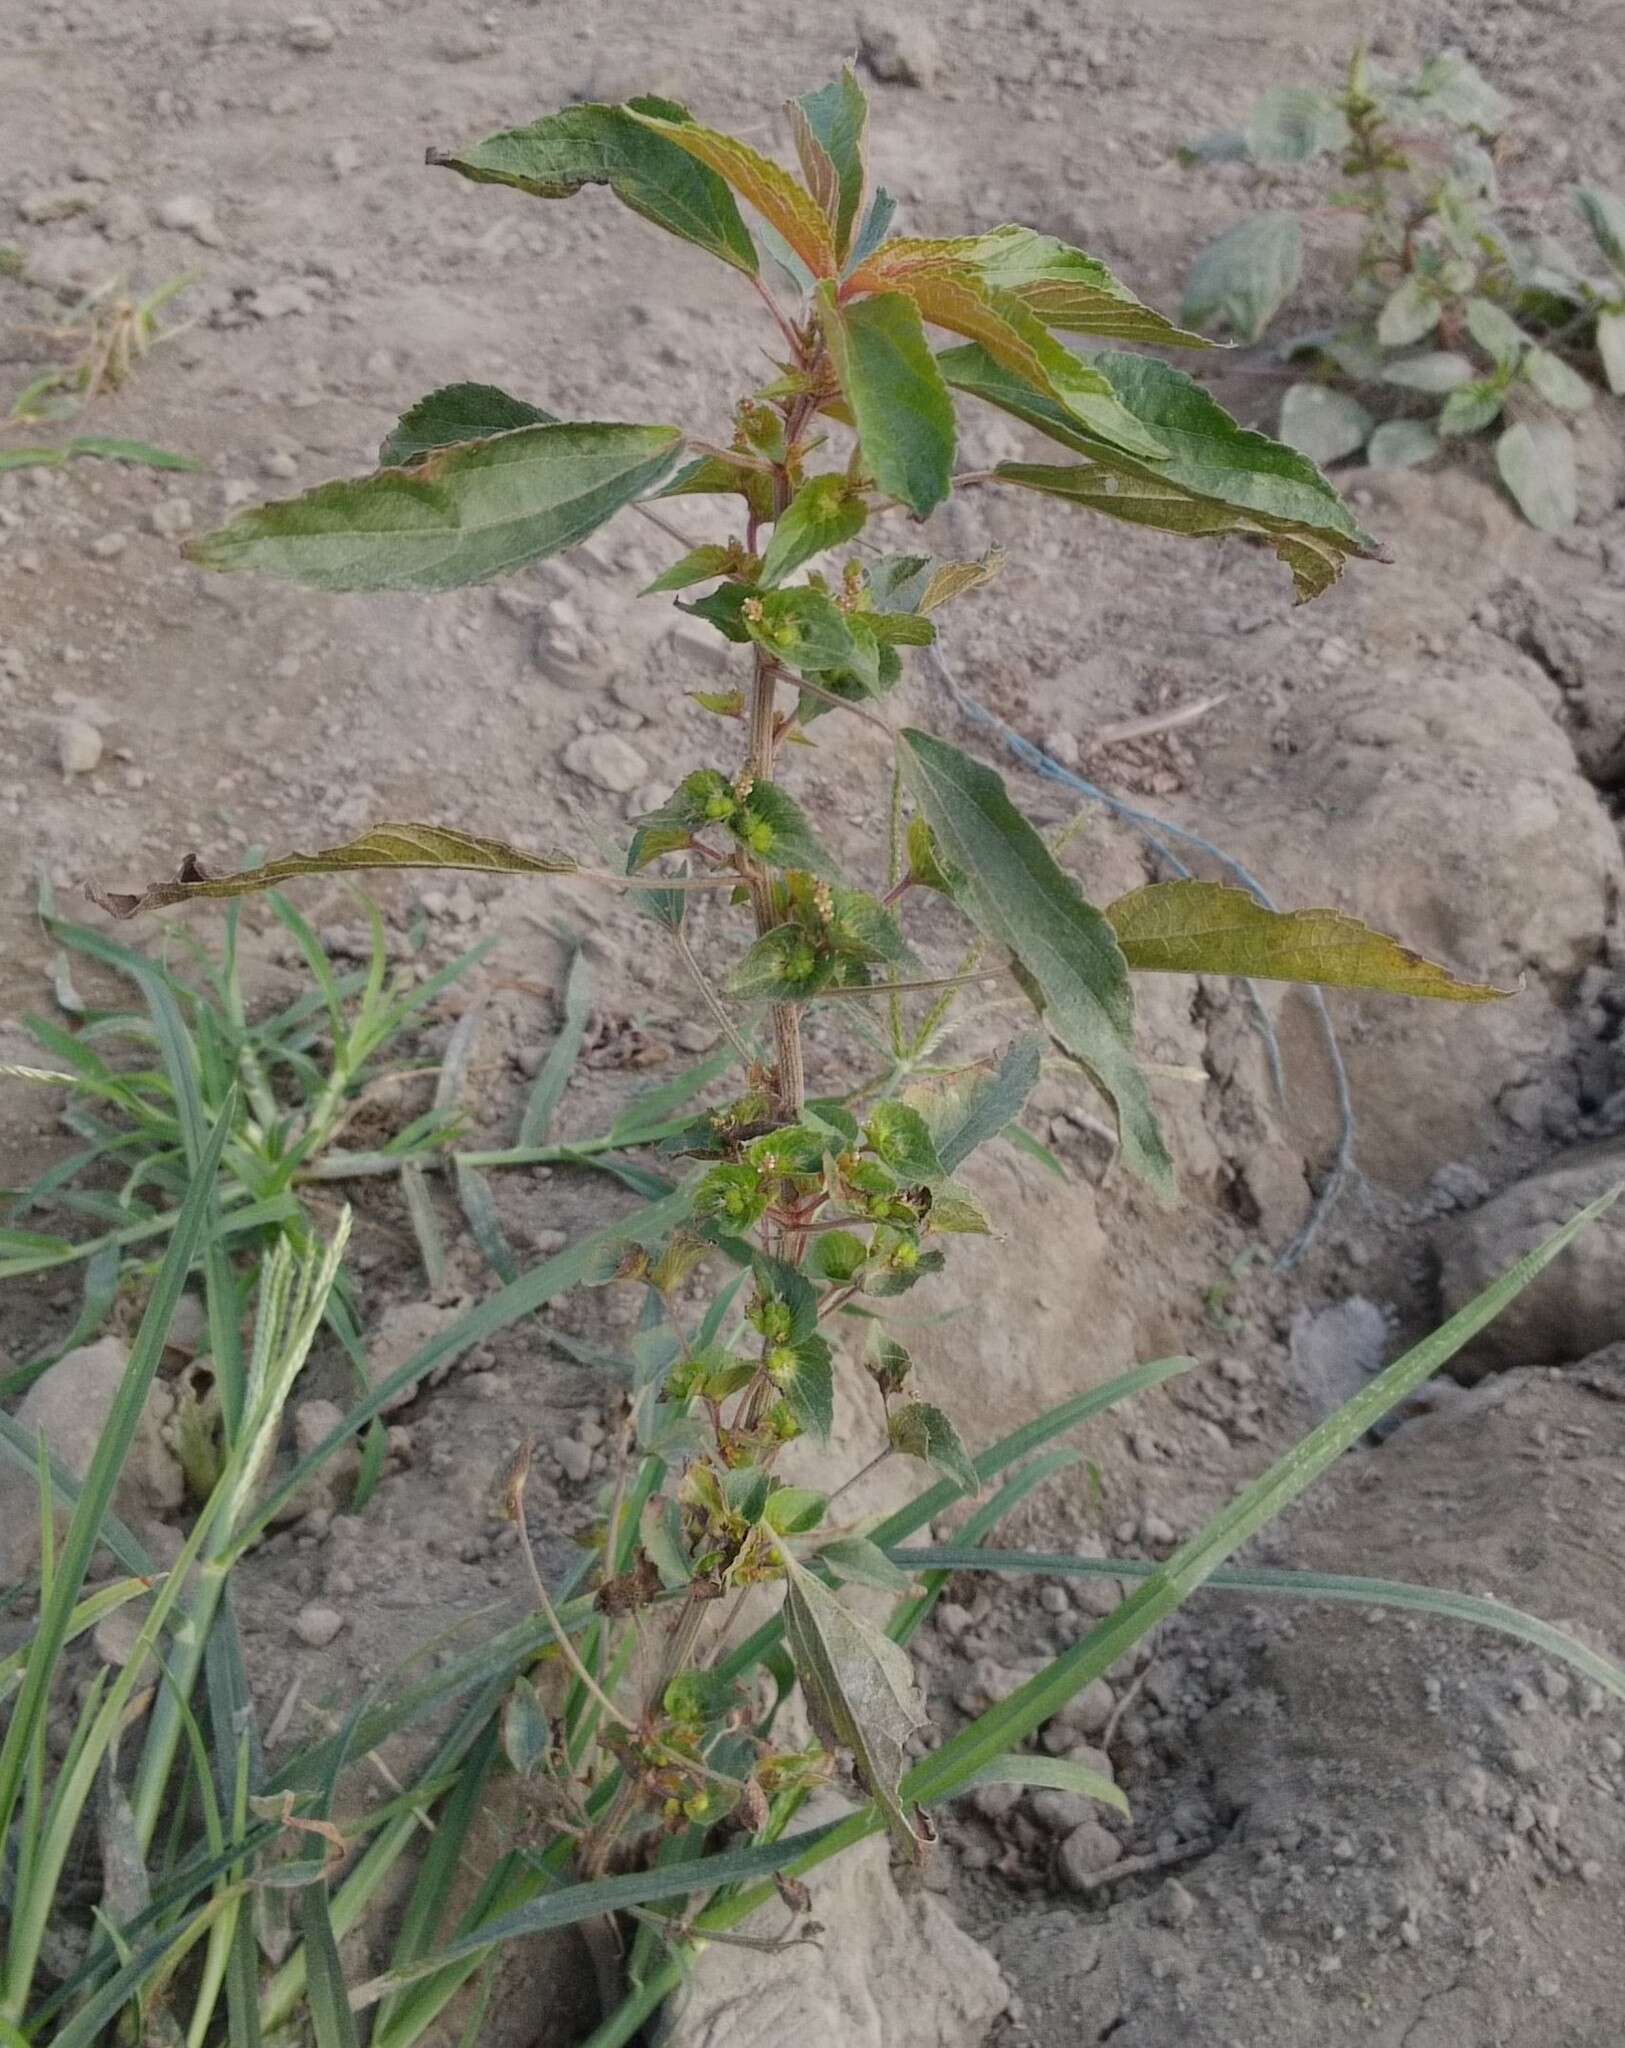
103	338
643	1728
1464	318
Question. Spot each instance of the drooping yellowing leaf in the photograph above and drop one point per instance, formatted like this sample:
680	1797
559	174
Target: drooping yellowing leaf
1211	928
900	404
949	580
382	846
601	145
462	515
767	186
1007	881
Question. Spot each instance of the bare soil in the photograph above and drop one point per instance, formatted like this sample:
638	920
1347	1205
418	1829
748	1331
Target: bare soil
1349	1830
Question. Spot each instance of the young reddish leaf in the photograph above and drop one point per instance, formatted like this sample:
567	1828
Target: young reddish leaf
952	293
900	404
600	145
764	184
1210	928
831	127
462	515
382	846
1069	290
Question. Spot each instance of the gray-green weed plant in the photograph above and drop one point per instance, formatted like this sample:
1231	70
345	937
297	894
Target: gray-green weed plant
641	1728
1466	313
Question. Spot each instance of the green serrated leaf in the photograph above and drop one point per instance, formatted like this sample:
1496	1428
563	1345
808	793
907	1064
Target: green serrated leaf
1556	382
1495	331
777	830
921	1430
862	1563
802	628
859	1687
783	965
1013	890
1536	461
804	1373
1322	423
699	565
461	515
1246	275
556	156
825	513
899	402
1401	444
1292	124
1604	214
1218	477
836	1255
1411	310
966	1110
1470	408
1209	928
901	1139
457	413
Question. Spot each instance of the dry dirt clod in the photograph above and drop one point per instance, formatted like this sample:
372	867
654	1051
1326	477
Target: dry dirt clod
310	34
607	761
316	1625
897	52
78	747
1086	1852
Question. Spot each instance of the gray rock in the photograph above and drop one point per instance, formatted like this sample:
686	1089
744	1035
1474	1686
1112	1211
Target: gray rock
189	214
897	54
575	1458
692	1037
607	761
316	1625
69	1407
1060	1812
892	1970
1336	1350
170	517
701	648
78	747
1088	1711
107	546
1085	1853
1577	1305
310	34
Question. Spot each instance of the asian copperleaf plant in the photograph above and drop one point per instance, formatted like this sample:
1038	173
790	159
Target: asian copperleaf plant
828	1206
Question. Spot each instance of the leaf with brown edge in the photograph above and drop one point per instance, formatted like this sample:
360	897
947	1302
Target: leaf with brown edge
1212	928
603	145
949	580
382	846
767	186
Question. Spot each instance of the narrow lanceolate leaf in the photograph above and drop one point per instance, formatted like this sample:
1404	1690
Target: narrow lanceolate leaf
767	186
1210	928
1604	214
462	515
1059	1773
831	132
953	293
1218	477
1069	290
922	1430
898	399
859	1687
458	412
600	145
825	513
1611	345
382	846
1007	881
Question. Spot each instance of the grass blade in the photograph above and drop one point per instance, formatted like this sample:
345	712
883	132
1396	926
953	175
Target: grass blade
548	1091
96	1491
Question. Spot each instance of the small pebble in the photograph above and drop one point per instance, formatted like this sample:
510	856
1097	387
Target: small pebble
310	34
278	462
607	761
575	1458
108	545
78	747
1086	1852
171	516
316	1626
